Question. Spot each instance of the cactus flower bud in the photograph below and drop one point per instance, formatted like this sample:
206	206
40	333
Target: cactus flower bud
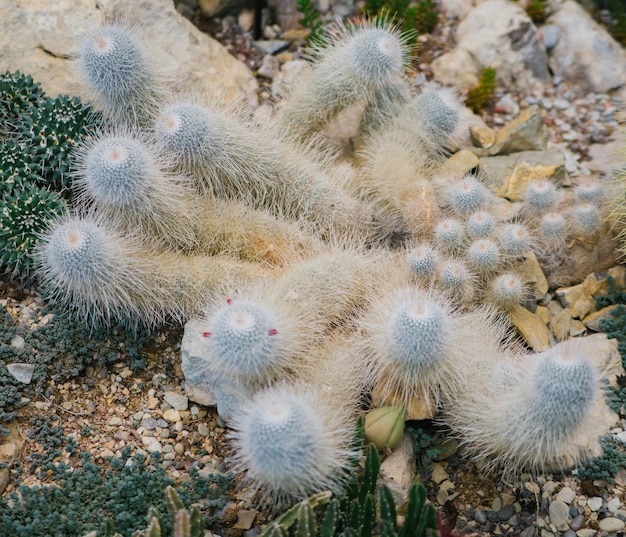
385	426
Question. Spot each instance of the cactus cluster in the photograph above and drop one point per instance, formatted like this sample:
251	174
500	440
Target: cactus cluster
338	278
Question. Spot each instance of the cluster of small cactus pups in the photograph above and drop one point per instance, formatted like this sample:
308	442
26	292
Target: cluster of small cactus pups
316	279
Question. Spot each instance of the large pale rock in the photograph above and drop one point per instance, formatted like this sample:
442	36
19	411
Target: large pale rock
585	53
40	38
508	41
398	470
511	174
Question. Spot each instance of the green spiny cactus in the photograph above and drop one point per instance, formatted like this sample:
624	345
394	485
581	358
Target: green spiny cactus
365	510
25	213
18	92
51	130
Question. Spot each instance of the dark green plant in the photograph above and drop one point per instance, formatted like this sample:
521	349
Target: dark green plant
422	17
607	465
616	397
426	450
311	20
479	96
364	510
537	10
51	131
18	92
116	498
25	212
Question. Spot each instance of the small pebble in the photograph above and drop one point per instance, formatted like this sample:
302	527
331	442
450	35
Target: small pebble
506	512
577	522
21	372
151	444
176	400
594	503
566	495
559	513
149	423
611	524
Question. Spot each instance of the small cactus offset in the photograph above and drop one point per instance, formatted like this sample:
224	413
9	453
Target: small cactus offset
360	61
120	75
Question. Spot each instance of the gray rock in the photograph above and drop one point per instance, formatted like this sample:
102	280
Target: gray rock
271	46
506	512
269	66
456	8
149	423
559	514
566	495
480	516
509	42
18	342
528	532
176	400
594	503
21	372
569	533
577	522
550	35
586	54
151	444
511	173
40	38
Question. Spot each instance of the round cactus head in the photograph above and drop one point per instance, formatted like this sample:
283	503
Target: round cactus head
454	275
292	442
439	111
77	253
552	228
541	195
514	239
116	68
506	290
467	195
422	260
184	131
377	54
418	335
449	234
244	341
590	190
484	255
565	389
585	219
117	171
480	225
